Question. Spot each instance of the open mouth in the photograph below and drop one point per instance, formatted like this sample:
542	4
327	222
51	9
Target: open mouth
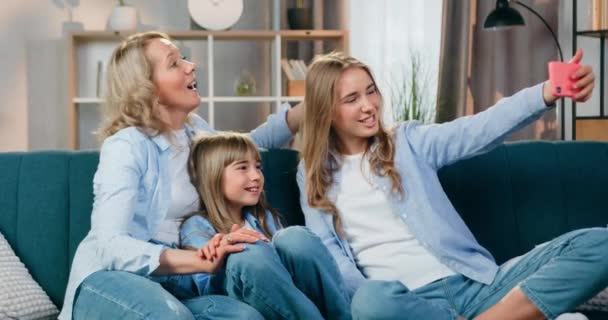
253	189
369	121
192	86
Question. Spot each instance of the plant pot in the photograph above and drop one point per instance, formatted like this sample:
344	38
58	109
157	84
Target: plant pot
123	18
299	18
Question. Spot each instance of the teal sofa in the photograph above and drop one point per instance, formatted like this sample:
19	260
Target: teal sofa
515	197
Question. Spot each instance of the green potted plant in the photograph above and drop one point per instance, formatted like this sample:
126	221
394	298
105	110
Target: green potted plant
123	17
245	85
410	93
299	17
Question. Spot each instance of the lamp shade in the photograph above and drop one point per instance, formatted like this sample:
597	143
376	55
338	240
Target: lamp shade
503	17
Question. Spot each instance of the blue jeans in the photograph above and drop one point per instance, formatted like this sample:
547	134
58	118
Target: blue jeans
124	295
294	277
557	277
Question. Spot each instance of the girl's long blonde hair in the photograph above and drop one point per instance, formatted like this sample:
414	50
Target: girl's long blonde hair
209	156
130	98
320	151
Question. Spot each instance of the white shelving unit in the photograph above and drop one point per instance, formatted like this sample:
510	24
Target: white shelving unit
88	48
80	57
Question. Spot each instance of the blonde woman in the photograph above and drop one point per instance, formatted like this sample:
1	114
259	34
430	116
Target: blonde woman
128	266
294	271
374	198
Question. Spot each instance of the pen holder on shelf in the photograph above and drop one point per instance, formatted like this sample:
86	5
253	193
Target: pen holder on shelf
296	88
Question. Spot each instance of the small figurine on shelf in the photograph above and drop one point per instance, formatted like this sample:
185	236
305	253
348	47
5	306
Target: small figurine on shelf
246	84
123	17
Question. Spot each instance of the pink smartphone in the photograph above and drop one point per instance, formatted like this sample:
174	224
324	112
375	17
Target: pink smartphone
560	76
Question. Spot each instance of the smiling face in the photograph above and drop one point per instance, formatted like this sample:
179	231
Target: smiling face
242	183
356	114
173	76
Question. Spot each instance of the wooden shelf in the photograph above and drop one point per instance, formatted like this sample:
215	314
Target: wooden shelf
593	33
96	100
87	100
220	35
251	99
595	129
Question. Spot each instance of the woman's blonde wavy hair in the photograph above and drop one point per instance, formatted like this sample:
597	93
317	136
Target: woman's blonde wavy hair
130	99
320	151
209	157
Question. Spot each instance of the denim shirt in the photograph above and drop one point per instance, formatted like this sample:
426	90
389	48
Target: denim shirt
420	151
131	198
196	232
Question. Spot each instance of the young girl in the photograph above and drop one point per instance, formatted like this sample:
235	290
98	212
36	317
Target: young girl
294	276
374	198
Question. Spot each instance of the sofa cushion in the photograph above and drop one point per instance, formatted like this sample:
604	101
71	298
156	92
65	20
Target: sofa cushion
46	198
20	296
522	194
282	192
80	176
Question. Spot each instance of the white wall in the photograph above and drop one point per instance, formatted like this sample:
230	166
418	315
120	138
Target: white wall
33	111
33	60
383	33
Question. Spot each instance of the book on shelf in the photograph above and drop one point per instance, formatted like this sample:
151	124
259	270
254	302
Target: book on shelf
294	69
295	72
287	70
599	15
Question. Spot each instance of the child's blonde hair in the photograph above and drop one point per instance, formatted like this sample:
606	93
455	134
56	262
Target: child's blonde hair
209	156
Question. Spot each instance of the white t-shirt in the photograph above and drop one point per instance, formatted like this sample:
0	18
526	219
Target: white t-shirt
184	198
383	245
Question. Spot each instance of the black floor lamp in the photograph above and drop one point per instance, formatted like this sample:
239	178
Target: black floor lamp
504	17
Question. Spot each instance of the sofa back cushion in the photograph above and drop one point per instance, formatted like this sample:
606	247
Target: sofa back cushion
281	189
46	199
522	194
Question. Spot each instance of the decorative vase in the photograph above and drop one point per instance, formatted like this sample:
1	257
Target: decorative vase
123	18
299	18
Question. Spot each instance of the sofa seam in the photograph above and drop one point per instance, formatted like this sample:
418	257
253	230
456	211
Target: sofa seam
17	204
513	208
69	213
562	185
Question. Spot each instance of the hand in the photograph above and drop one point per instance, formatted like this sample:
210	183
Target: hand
584	82
211	264
249	235
237	235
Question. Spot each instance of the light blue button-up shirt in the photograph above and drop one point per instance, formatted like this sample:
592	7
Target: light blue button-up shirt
421	150
132	197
